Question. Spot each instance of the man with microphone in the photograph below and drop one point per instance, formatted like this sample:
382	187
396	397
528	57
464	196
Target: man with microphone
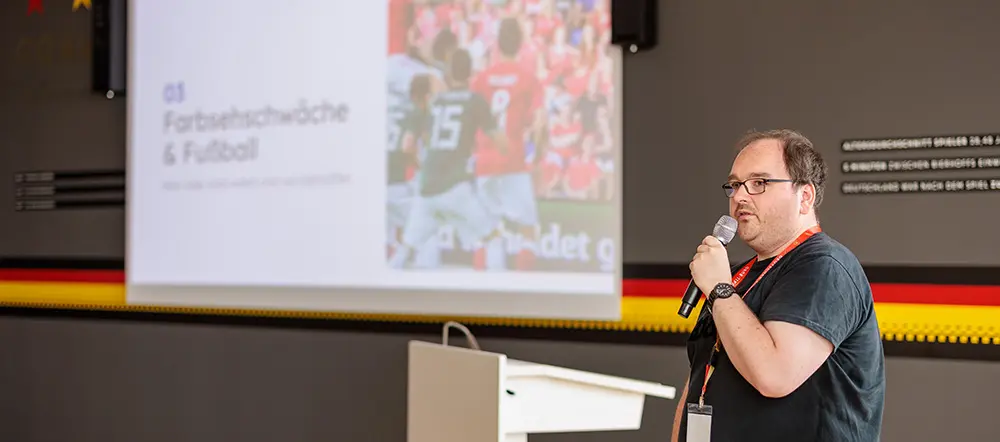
787	346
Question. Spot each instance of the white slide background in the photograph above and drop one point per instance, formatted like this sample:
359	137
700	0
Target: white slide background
297	220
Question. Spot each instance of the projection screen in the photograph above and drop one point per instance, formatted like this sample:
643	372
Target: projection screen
385	156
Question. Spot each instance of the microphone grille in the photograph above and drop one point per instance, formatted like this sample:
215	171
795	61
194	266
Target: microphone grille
725	229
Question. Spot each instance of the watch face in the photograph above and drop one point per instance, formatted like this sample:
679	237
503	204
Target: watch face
724	290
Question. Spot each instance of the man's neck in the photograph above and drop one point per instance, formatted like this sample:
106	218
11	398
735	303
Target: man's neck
793	235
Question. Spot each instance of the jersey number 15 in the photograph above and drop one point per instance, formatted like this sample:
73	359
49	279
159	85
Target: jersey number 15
447	127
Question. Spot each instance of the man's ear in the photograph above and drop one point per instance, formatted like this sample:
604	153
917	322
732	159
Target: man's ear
807	199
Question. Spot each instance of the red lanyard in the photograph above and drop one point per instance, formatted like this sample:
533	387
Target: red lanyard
737	279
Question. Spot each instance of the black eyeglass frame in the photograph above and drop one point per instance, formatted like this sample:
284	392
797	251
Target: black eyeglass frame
732	187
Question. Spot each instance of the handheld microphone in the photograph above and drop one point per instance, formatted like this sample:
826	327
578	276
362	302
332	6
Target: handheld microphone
724	231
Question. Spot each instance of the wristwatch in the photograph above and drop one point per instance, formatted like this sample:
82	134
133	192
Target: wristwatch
721	290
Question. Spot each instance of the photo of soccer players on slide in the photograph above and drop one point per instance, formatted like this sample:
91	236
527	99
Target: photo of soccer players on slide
501	154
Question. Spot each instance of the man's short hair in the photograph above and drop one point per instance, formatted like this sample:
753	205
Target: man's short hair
509	37
420	86
804	163
460	65
444	42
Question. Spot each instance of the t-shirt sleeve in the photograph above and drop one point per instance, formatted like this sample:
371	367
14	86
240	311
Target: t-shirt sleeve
817	293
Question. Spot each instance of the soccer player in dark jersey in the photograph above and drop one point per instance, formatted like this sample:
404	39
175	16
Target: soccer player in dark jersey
446	193
406	122
504	179
402	70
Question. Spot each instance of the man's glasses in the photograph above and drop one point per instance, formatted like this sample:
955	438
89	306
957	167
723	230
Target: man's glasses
754	186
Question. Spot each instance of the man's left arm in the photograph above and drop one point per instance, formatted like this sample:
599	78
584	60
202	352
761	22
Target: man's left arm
806	316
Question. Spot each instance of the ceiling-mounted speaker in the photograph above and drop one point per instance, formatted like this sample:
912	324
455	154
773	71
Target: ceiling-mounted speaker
109	62
634	24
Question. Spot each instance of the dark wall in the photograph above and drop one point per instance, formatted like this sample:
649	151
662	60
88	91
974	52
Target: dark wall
50	120
834	71
108	381
847	71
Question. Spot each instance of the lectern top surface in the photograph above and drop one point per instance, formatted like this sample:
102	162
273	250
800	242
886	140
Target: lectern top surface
519	369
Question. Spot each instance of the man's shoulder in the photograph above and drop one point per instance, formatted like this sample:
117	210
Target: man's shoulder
822	261
823	249
461	96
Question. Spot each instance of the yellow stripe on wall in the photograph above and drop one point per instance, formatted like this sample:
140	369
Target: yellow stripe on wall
898	322
939	323
89	294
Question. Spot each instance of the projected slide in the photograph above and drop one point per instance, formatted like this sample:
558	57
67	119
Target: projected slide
396	156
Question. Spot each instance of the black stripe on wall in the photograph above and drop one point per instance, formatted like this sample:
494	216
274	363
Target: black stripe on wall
876	273
45	263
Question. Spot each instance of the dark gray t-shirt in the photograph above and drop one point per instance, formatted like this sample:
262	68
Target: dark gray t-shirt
820	285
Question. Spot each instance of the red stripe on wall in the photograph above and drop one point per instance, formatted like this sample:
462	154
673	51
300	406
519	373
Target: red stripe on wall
47	275
937	294
951	294
654	288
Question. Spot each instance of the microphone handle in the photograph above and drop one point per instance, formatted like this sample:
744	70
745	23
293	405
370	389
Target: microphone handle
691	295
690	300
